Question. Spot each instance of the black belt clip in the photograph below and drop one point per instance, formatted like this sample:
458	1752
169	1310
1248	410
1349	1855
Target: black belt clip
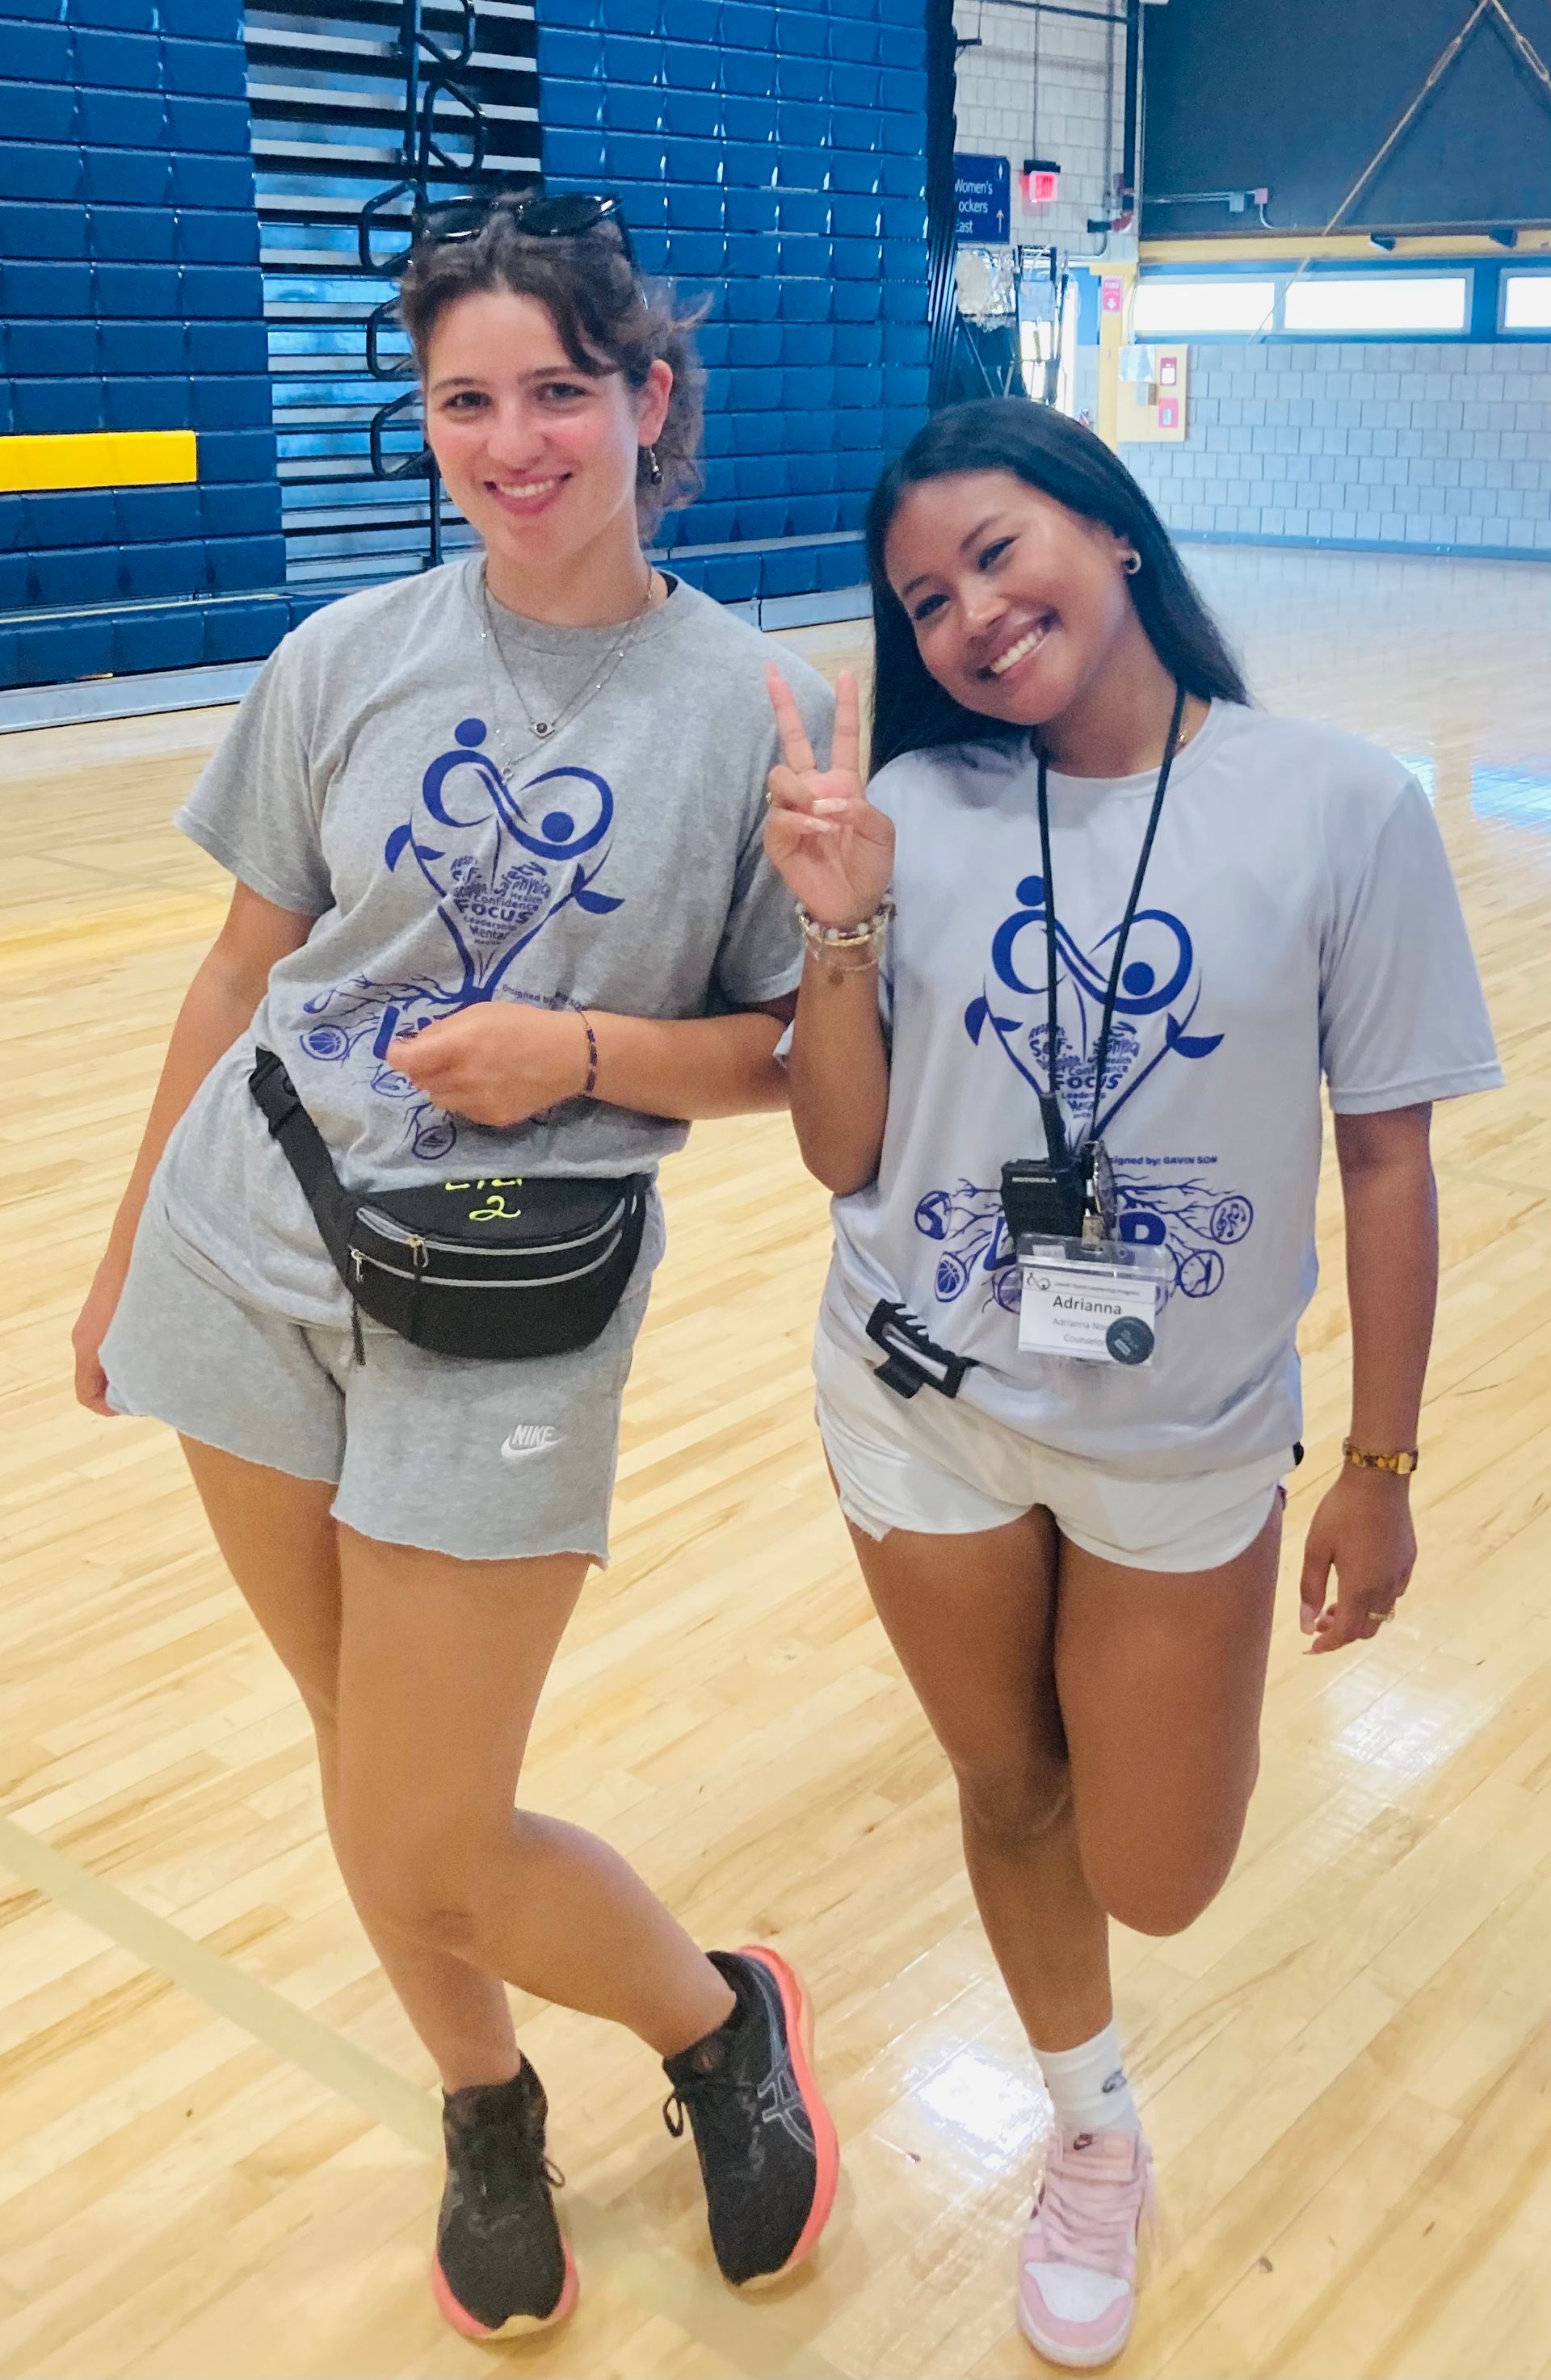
274	1092
914	1361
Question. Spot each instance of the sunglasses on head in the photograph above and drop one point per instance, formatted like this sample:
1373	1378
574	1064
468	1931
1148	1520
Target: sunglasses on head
568	214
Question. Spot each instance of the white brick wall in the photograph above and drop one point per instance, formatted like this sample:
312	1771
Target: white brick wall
1438	446
1081	94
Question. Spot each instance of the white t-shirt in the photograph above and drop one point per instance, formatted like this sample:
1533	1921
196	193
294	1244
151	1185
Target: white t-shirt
1298	918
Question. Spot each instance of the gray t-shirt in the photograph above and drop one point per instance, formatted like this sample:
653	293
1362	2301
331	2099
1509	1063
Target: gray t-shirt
380	778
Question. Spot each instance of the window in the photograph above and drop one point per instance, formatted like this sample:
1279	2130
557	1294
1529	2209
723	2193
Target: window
1527	301
1378	304
1178	309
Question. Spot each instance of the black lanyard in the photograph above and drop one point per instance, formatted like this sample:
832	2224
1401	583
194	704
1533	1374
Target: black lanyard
1055	1143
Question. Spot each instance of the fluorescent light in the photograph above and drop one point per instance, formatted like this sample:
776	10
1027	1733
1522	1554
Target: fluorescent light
1527	301
1175	309
1382	302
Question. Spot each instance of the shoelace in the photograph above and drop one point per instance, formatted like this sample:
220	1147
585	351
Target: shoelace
501	2161
1086	2216
716	2097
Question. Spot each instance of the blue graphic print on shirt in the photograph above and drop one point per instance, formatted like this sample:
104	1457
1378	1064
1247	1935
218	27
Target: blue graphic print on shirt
499	872
1170	1205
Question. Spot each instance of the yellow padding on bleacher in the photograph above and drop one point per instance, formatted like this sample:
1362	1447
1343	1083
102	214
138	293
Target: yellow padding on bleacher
99	458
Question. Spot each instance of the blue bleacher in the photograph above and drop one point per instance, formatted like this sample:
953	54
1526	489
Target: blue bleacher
131	300
769	157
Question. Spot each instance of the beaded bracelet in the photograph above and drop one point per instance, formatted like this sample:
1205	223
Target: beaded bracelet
591	1084
825	941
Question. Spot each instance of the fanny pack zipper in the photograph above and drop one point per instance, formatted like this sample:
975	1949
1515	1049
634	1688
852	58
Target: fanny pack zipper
359	1259
389	1228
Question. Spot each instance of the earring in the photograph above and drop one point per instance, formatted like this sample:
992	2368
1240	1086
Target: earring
654	469
1131	564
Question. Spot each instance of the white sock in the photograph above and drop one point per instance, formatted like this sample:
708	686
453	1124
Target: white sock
1088	2085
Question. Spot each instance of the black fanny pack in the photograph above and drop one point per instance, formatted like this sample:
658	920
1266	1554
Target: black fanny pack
495	1266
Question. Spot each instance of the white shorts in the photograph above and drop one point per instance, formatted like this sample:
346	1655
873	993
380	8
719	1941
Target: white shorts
942	1468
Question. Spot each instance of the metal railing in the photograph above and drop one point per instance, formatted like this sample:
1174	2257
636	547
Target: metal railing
431	73
365	112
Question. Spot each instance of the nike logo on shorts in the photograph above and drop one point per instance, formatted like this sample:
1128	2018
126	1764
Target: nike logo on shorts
530	1438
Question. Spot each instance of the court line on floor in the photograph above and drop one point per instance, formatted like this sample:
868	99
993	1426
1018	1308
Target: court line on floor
756	2345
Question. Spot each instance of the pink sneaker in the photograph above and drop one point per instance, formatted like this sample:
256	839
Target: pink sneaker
1077	2278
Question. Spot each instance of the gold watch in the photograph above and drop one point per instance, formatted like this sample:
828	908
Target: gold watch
1404	1463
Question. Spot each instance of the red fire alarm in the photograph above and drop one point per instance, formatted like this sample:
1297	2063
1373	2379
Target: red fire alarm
1040	180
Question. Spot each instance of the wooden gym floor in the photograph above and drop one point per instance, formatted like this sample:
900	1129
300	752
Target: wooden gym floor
216	2138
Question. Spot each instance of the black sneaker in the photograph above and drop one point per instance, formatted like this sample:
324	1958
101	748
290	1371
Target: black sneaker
768	2154
501	2265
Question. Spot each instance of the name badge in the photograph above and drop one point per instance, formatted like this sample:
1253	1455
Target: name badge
1095	1301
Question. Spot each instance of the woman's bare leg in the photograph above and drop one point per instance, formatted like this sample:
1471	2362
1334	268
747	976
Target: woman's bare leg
393	1777
1104	1726
281	1547
441	1664
973	1619
1161	1676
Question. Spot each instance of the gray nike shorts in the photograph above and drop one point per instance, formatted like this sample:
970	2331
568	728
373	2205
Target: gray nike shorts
487	1461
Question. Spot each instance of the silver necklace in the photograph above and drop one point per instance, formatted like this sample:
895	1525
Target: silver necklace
543	729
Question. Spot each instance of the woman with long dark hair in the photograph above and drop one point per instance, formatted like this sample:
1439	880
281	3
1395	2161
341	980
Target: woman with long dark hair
1078	960
501	927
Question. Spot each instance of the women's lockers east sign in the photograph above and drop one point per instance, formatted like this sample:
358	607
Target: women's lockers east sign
983	192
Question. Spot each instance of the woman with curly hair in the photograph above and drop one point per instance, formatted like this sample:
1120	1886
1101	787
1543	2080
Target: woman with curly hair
502	926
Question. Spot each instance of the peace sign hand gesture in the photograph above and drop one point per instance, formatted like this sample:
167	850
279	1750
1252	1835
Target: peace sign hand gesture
831	847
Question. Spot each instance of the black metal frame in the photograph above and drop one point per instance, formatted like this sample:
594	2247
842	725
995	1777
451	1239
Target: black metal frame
431	71
1057	8
1131	158
942	221
942	224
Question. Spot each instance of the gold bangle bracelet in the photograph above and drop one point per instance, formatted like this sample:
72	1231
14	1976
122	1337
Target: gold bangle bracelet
831	963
